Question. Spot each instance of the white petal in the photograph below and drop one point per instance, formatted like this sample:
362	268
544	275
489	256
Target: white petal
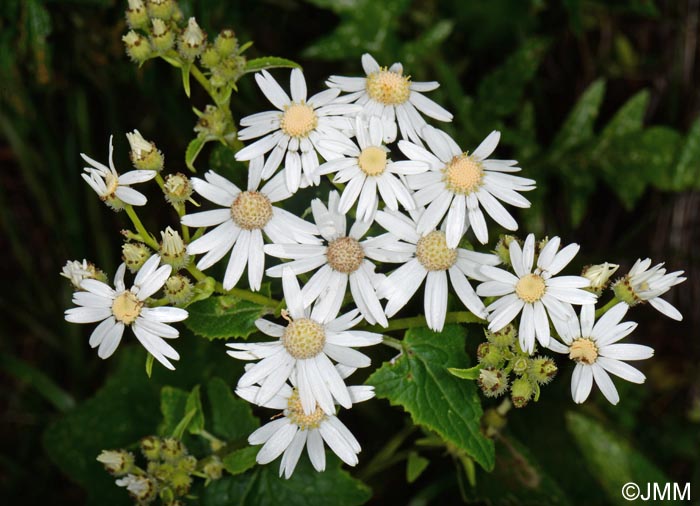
605	384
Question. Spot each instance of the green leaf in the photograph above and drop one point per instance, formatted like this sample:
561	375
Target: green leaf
239	461
306	487
172	407
231	418
686	173
194	403
193	149
428	43
186	78
420	382
182	426
269	62
149	364
471	373
612	459
415	465
629	118
578	126
223	317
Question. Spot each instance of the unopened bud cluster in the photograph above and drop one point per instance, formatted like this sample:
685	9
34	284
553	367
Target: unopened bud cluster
213	122
500	356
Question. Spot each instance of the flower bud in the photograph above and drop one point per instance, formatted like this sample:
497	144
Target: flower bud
192	40
172	249
177	188
77	271
172	449
163	9
144	154
542	370
520	365
117	462
228	71
226	43
504	337
212	122
599	276
150	447
178	290
162	471
489	355
181	482
213	468
187	464
141	488
493	382
210	58
137	47
521	392
136	15
162	36
502	248
135	254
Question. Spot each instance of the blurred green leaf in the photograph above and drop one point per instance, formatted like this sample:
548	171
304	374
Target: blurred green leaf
611	458
269	62
231	418
194	403
224	317
427	43
628	119
419	382
415	465
172	407
239	461
193	149
686	173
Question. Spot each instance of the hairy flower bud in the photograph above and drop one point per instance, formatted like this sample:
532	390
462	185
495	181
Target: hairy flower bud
137	15
521	392
210	58
162	36
141	488
181	482
502	248
150	447
228	71
76	271
144	154
172	249
192	40
172	449
135	254
177	188
178	289
117	462
226	43
212	122
489	355
599	276
213	468
137	47
493	382
163	9
504	338
542	370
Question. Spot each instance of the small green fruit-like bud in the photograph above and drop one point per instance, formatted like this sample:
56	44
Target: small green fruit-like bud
144	154
226	43
141	488
117	462
187	464
212	122
137	47
162	471
150	447
228	71
493	382
214	468
502	248
625	292
177	188
135	255
489	355
599	276
178	290
504	337
163	9
192	41
542	370
137	15
76	271
162	37
520	365
210	58
181	482
172	449
521	392
172	249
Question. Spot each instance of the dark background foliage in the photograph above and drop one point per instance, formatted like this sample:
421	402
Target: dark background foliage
598	100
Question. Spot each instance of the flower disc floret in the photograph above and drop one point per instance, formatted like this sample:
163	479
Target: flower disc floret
298	120
432	252
389	88
251	210
304	338
345	255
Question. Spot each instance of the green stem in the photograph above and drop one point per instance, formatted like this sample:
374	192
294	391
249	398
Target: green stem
392	343
419	321
145	236
606	307
256	298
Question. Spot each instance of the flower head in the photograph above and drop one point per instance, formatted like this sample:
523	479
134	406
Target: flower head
76	271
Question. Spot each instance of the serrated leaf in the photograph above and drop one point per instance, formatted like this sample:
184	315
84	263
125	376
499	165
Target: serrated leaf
686	173
269	62
231	418
223	317
239	461
420	382
612	459
415	465
306	487
470	373
193	149
578	126
172	407
194	403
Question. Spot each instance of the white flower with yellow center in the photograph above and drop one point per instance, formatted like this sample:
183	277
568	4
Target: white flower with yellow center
538	294
427	257
241	223
460	185
645	284
368	172
343	258
292	133
112	188
388	94
120	307
596	351
304	348
288	434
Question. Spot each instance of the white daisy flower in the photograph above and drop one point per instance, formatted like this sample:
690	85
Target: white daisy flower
460	184
121	307
288	434
343	258
596	351
368	171
292	133
240	224
112	188
388	94
538	294
645	284
427	257
304	348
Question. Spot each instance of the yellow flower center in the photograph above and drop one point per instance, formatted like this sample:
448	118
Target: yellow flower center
304	338
251	210
298	120
345	254
463	174
372	161
296	414
388	88
126	307
530	288
583	350
433	253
